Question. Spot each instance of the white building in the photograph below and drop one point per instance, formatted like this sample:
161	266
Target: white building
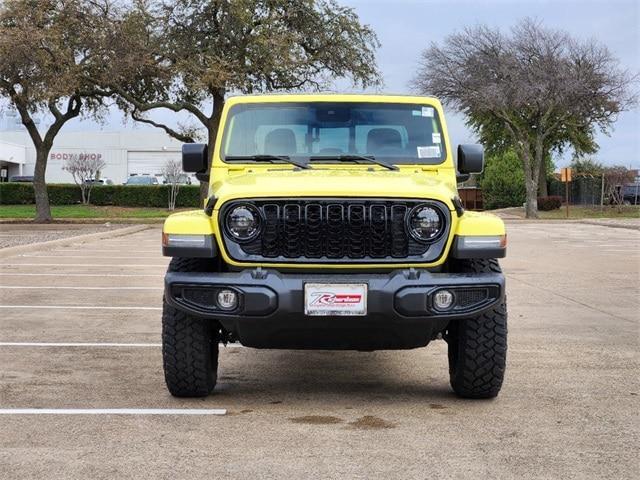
133	152
13	158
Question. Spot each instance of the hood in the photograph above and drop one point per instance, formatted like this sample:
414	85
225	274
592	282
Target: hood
403	183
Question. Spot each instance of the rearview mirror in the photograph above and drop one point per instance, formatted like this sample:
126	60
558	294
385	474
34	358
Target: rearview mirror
470	158
194	158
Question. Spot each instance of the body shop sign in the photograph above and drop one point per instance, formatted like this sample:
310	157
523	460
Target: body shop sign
69	155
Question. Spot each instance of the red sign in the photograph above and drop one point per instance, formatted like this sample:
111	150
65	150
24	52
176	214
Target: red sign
69	156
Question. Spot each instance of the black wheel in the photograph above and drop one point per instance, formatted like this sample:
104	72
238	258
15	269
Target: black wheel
478	345
189	344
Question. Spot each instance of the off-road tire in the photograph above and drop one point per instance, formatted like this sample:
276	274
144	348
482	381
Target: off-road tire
478	345
189	344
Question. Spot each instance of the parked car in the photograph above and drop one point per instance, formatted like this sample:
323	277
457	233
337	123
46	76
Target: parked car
22	178
631	194
142	180
182	180
100	181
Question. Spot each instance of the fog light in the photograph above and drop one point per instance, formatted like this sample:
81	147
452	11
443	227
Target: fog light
227	299
443	299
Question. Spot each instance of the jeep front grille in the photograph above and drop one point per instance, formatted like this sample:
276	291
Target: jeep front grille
334	231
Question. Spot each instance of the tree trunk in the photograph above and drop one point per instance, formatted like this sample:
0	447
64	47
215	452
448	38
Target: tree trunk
43	210
531	172
211	141
531	206
212	133
543	190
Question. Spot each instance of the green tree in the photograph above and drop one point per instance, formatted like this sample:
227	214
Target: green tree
535	91
502	181
496	139
47	50
186	55
586	166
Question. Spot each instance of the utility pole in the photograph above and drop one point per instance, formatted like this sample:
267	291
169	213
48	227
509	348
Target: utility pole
602	194
565	176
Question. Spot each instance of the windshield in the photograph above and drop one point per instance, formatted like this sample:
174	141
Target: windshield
322	132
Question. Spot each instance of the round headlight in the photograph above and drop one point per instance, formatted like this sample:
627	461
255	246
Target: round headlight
425	223
243	222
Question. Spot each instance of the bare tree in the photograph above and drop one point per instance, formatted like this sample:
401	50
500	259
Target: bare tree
535	90
85	169
615	178
172	172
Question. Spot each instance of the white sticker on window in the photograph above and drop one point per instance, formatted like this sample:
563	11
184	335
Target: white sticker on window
436	138
427	111
429	152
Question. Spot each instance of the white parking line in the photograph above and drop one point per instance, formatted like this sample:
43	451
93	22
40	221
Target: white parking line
48	287
116	250
78	307
128	242
96	344
113	411
78	344
89	256
13	274
103	265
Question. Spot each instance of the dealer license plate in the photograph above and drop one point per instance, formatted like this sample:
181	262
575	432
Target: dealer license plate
335	299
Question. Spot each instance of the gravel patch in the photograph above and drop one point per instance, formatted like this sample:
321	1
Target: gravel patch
13	235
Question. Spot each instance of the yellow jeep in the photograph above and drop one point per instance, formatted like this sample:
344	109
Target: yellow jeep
333	222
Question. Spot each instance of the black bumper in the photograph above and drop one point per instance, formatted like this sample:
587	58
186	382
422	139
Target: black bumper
270	312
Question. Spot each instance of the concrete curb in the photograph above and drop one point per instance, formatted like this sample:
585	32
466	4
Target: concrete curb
43	246
569	221
85	221
542	220
611	225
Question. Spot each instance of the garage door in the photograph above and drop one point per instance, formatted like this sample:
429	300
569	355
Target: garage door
149	163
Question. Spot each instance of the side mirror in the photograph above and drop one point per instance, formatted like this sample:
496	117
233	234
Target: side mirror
462	177
195	159
470	158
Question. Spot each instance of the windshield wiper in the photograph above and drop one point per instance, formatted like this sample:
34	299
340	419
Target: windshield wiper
352	157
268	158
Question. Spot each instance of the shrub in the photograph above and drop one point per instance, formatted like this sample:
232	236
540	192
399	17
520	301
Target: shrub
549	203
502	182
16	194
117	195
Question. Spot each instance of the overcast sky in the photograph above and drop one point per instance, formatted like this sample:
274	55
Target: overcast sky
406	27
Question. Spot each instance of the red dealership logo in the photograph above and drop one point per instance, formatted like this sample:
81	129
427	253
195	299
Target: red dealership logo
337	299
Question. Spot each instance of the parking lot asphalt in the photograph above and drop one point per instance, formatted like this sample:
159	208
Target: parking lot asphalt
80	329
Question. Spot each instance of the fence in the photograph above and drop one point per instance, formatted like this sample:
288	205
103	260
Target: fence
471	198
583	190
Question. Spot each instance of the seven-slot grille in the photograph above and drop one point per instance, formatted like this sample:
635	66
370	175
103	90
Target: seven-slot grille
333	230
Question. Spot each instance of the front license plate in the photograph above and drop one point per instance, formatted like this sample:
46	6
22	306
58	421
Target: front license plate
335	298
